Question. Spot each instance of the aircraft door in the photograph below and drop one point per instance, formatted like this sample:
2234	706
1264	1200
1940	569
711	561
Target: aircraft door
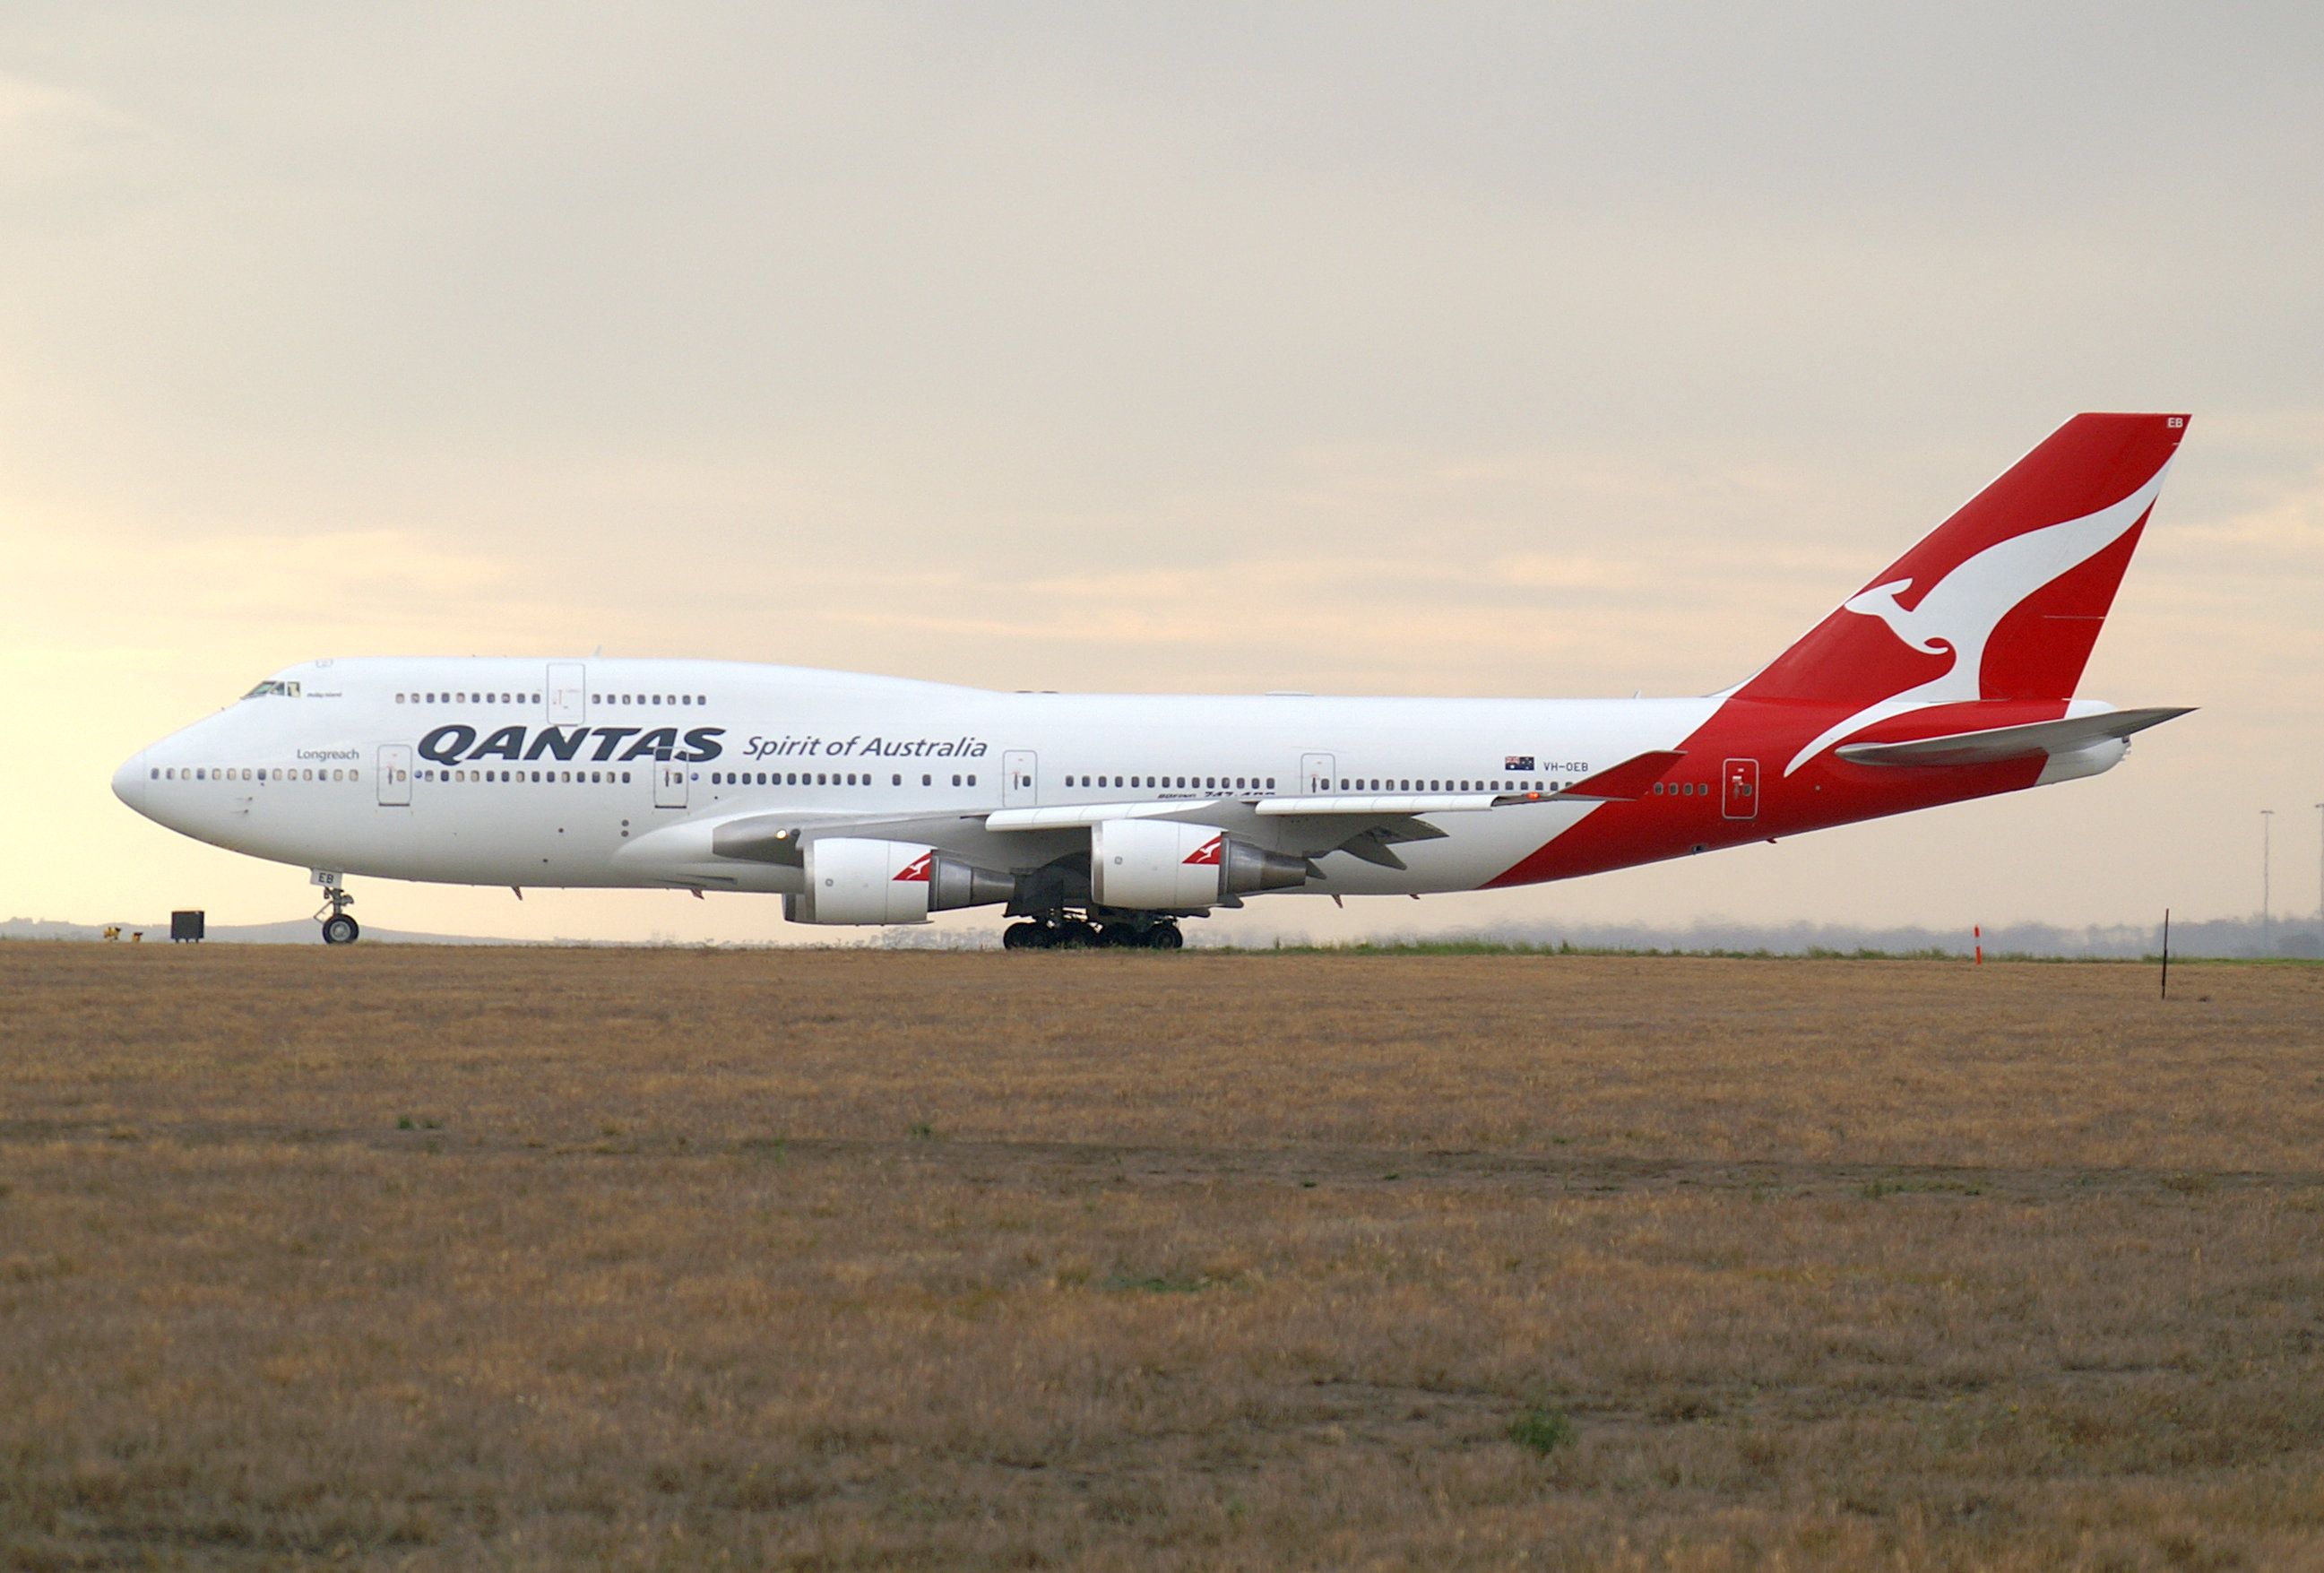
568	693
669	776
1739	794
1314	773
1020	780
394	776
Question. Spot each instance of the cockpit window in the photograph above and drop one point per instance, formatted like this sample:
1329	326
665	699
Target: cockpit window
288	690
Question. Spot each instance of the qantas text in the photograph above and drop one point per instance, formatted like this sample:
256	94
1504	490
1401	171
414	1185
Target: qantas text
454	743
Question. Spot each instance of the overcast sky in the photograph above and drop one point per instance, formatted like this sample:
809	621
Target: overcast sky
1532	351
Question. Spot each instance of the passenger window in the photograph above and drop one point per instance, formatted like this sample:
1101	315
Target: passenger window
927	781
955	780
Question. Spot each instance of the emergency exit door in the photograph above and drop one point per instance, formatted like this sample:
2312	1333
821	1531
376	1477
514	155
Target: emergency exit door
1739	793
395	776
1314	773
568	693
669	777
1020	782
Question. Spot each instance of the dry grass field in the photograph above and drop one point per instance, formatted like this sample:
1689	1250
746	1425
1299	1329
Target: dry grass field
446	1258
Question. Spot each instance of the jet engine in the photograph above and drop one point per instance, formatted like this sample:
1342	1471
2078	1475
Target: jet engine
1164	866
855	880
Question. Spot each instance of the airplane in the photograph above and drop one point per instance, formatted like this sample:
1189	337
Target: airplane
1108	820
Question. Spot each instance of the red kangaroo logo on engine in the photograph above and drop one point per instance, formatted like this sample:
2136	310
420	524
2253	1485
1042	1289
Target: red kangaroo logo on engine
918	869
1205	855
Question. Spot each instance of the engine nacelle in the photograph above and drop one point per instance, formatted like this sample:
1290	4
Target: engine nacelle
855	880
1164	867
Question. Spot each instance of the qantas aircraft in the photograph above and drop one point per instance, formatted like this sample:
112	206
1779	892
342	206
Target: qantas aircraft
1107	819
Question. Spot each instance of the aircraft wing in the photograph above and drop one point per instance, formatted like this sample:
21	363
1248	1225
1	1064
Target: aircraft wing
1081	816
1996	744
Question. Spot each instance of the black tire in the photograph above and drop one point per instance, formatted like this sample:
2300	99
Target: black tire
1117	937
1073	934
1024	937
341	930
1165	937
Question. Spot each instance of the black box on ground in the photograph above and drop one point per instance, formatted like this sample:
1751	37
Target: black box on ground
186	926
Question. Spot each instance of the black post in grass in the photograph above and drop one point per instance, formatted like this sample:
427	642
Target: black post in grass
2166	953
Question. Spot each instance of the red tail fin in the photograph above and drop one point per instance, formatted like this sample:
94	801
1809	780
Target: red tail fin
2005	599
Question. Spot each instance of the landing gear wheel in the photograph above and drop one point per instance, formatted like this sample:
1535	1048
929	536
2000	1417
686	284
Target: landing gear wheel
1119	936
339	928
1075	934
1165	937
1028	937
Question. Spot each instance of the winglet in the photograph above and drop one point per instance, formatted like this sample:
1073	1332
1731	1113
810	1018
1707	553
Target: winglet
1623	782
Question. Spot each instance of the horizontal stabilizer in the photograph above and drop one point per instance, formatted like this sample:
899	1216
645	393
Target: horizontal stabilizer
1996	743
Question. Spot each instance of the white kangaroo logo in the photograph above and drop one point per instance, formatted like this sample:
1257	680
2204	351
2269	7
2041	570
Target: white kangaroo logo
1962	609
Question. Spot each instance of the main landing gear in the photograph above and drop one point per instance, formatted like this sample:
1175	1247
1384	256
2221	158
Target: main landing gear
1063	931
339	928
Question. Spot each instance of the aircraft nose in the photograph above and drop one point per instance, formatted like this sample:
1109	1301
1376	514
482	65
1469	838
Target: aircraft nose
129	783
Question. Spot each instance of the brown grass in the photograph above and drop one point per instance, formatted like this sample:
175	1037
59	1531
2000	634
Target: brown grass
542	1258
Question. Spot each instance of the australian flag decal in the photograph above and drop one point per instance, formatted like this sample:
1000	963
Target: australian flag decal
1518	761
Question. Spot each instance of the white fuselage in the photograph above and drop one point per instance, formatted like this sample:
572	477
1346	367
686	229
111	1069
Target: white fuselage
617	772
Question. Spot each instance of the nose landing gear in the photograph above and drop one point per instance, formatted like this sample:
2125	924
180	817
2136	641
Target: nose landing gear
339	928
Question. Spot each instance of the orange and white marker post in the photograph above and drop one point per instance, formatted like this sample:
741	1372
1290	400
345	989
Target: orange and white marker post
1977	931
